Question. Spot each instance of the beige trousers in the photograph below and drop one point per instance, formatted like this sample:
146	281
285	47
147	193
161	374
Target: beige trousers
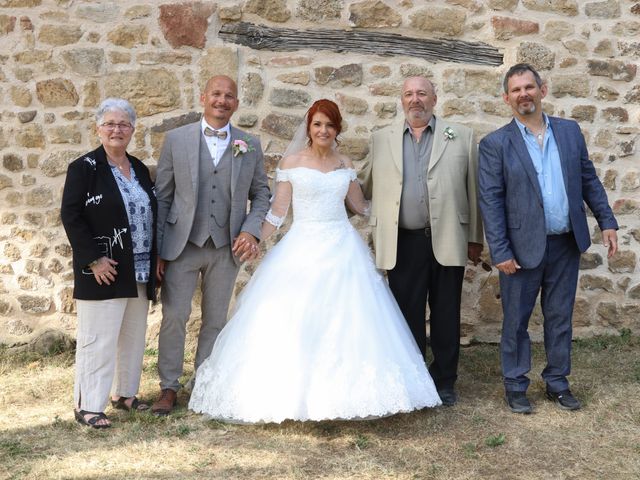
110	349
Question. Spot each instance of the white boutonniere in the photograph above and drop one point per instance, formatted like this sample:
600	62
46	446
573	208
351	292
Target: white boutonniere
241	147
449	134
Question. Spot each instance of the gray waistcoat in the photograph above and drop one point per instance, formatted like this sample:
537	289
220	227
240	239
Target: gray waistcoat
214	199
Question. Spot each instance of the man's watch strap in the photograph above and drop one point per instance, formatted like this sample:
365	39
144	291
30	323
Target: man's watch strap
93	264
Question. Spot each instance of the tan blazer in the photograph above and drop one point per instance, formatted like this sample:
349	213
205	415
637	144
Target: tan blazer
452	183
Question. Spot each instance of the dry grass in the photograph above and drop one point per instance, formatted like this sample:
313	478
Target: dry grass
478	438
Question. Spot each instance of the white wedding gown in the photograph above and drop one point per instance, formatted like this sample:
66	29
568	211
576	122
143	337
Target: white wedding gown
316	334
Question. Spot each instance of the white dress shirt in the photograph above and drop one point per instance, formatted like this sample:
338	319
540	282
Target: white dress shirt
216	145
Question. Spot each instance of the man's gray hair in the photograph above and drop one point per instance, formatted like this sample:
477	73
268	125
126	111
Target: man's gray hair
116	104
519	69
429	81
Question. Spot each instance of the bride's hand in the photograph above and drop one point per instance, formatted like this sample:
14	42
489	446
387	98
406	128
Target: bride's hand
245	246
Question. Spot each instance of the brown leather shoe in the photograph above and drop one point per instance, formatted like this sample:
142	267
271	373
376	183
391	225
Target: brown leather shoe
165	403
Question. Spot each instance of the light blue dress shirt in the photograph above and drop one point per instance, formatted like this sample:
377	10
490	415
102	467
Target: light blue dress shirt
546	161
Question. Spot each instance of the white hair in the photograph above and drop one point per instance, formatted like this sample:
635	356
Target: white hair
116	104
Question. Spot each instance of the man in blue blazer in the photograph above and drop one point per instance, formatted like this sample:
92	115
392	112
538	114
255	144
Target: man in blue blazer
534	179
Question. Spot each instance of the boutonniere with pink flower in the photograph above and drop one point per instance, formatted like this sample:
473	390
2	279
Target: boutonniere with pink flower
241	147
449	134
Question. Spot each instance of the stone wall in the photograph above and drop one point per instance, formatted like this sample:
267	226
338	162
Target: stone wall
59	58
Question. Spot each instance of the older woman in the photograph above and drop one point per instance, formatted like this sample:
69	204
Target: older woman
109	211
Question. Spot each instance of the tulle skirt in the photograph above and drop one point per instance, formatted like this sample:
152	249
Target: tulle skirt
316	334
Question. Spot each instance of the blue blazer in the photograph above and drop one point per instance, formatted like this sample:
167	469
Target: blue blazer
510	197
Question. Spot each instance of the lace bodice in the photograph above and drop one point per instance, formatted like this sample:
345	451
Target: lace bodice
316	196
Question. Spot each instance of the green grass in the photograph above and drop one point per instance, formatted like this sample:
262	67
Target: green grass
470	450
478	438
495	440
606	342
14	448
361	442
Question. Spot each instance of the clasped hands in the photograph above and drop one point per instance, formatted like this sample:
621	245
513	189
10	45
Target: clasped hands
105	270
245	246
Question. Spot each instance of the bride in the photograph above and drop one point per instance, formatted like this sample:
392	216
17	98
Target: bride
316	334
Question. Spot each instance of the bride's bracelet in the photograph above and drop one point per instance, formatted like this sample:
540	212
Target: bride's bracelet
274	220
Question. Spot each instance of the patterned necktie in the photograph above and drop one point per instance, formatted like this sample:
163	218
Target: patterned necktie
209	132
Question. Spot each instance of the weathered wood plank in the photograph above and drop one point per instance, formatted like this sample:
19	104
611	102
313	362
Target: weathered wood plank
260	37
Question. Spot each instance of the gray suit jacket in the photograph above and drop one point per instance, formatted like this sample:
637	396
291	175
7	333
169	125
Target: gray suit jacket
177	188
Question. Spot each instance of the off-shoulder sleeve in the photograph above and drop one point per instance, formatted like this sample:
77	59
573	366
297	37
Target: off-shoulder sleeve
283	175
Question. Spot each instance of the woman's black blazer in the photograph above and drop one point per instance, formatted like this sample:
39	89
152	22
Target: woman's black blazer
94	217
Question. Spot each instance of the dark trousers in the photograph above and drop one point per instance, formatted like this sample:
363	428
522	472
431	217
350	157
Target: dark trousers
555	279
416	278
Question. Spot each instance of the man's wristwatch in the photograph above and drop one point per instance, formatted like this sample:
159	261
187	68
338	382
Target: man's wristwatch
93	264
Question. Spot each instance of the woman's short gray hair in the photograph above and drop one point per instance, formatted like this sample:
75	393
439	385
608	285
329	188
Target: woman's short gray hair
112	104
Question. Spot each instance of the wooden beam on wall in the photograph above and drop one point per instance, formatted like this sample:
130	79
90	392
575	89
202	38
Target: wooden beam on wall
260	37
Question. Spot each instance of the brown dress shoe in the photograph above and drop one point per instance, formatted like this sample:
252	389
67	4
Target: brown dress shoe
165	403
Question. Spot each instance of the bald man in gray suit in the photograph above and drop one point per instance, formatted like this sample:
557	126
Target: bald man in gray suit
207	172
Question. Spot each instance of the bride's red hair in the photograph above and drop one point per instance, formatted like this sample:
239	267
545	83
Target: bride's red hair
330	109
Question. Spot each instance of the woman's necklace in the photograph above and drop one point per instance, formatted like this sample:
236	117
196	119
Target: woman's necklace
120	165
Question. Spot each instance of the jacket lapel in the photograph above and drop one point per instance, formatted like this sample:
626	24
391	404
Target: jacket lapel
235	161
395	139
192	148
560	139
439	143
103	163
515	137
110	185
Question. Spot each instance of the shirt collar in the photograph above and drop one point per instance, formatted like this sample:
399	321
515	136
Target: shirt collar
226	128
430	126
526	131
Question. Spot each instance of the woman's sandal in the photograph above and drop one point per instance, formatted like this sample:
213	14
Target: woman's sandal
136	405
92	421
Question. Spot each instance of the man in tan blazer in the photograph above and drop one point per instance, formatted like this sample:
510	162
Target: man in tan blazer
421	175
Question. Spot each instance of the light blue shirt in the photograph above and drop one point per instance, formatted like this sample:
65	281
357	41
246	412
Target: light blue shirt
546	161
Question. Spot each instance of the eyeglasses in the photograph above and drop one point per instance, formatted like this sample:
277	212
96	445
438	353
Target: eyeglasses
124	127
